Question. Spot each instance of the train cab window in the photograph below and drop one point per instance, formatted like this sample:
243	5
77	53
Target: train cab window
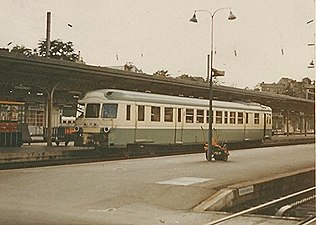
155	114
247	118
128	112
240	118
141	113
189	115
200	116
218	116
232	117
256	118
109	111
92	110
168	114
225	117
179	115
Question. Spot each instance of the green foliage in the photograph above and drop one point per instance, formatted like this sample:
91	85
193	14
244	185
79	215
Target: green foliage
22	49
59	50
191	78
162	73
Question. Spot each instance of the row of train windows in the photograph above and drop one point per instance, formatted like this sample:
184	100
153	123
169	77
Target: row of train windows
220	116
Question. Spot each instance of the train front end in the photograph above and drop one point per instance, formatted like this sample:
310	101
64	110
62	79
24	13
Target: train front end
94	126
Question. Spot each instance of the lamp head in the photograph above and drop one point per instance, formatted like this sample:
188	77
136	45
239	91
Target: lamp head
193	19
231	16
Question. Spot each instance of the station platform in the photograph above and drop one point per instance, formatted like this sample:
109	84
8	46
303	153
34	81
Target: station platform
180	189
40	150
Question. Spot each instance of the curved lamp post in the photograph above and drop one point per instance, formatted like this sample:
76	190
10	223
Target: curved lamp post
210	118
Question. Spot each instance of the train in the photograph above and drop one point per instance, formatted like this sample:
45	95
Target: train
117	118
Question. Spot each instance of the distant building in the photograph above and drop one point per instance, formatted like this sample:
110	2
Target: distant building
127	67
286	86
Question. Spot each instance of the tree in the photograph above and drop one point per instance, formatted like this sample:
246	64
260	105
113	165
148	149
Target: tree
191	78
59	50
162	73
22	49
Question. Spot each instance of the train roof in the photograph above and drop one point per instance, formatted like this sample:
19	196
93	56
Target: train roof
122	95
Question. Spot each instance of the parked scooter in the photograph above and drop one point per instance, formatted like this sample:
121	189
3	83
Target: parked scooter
218	152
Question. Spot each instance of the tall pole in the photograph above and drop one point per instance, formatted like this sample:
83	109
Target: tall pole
210	117
48	28
210	75
49	94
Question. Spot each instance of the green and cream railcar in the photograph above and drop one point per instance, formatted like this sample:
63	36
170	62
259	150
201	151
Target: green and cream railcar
117	118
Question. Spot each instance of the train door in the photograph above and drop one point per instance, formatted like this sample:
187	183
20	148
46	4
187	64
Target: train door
136	122
264	125
178	131
246	127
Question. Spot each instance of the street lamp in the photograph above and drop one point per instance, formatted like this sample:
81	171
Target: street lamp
210	118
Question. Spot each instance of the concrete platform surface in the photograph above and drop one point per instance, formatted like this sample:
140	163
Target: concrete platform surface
162	190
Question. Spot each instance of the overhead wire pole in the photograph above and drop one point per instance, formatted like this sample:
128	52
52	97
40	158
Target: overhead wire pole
48	29
49	93
210	117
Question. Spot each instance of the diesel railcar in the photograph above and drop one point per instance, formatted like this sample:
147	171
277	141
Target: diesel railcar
116	118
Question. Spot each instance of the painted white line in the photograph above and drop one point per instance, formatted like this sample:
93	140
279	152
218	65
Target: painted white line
185	181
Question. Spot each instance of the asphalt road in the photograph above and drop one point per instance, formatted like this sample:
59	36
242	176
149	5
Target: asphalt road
140	191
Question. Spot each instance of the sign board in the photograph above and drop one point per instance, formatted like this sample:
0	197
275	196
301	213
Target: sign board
245	190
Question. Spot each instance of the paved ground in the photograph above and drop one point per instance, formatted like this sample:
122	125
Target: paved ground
142	191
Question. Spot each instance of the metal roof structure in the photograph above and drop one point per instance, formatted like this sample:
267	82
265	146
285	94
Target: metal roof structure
30	79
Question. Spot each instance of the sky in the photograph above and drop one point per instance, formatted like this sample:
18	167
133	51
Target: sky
268	40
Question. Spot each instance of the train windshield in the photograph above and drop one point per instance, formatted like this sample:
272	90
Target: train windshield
109	111
92	110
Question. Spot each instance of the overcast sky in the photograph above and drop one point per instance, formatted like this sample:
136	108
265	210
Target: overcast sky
269	37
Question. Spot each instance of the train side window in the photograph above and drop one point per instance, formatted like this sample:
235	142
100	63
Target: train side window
240	118
168	114
128	112
189	115
155	113
218	116
141	113
92	110
200	116
109	111
226	117
256	118
179	115
247	118
232	117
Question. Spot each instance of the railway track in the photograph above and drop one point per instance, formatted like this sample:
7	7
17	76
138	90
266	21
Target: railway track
289	204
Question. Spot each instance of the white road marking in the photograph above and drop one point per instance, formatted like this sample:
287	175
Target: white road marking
185	181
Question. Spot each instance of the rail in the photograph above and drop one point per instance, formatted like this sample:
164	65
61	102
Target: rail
261	206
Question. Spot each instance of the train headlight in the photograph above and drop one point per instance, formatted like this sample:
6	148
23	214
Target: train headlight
105	130
78	129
